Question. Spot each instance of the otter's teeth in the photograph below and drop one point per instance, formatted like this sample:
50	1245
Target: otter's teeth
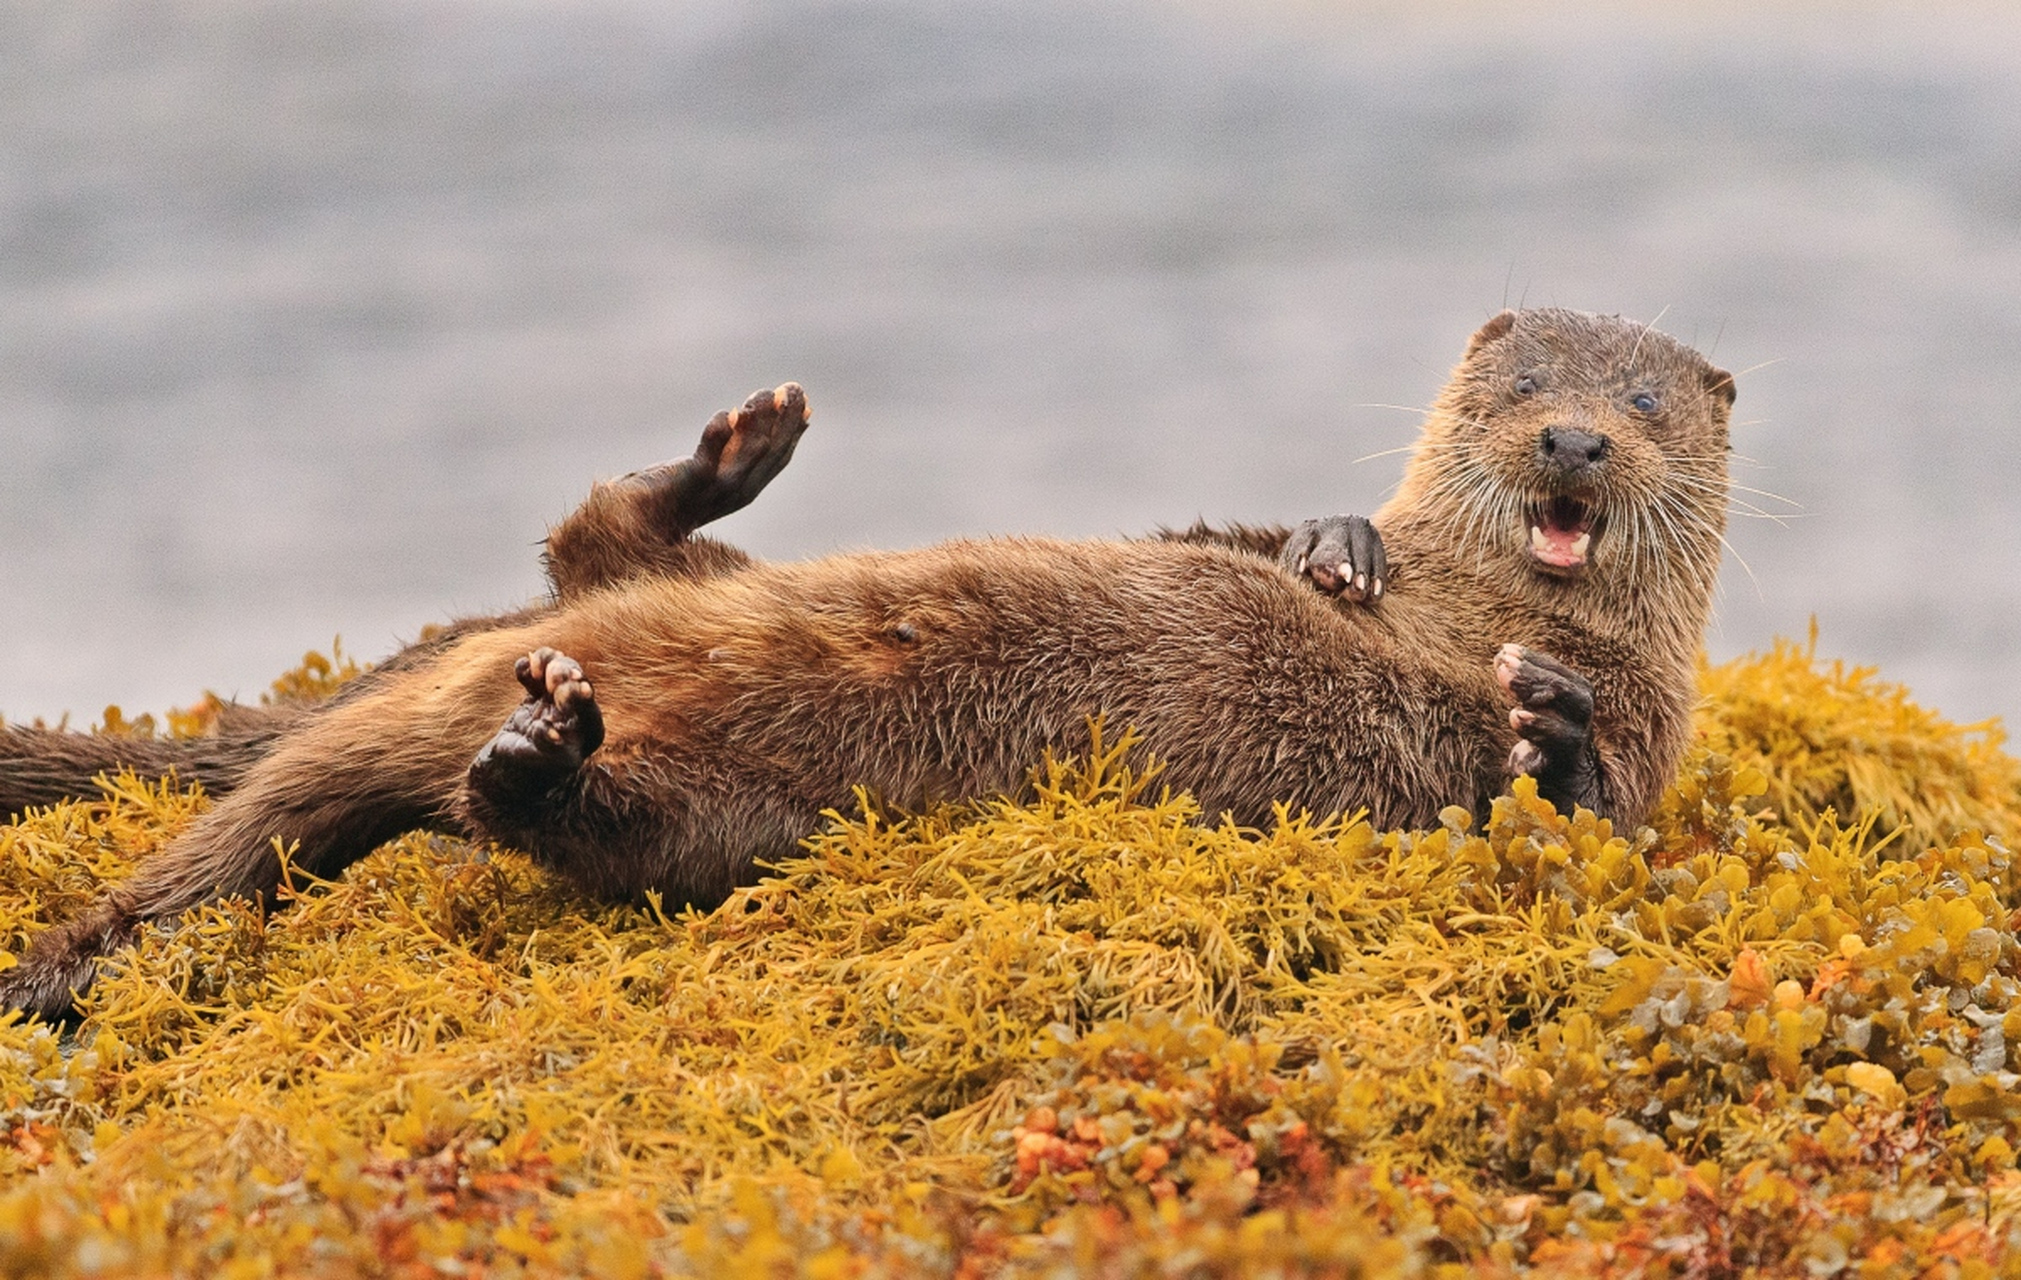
1560	547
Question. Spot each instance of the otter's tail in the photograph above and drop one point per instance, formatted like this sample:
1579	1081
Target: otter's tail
43	766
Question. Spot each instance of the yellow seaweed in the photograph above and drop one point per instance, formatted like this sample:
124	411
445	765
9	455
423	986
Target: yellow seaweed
1085	1033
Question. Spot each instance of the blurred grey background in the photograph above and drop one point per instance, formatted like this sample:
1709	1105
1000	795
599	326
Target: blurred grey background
312	315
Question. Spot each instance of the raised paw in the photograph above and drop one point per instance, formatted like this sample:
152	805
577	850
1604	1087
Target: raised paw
1553	719
1340	555
548	736
739	453
741	450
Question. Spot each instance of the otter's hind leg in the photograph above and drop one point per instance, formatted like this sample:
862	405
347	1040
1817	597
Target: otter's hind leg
689	820
644	523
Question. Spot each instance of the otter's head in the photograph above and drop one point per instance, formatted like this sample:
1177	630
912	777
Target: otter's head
1573	446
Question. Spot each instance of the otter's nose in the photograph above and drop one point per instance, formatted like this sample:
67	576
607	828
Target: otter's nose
1570	450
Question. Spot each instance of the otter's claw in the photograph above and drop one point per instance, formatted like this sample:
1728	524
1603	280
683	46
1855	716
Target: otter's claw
1340	555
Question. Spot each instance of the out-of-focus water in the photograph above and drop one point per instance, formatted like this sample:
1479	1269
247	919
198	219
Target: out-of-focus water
312	315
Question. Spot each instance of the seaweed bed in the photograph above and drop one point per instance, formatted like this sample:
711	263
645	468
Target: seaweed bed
1773	1033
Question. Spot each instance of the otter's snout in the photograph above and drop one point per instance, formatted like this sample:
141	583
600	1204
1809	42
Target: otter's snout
1570	450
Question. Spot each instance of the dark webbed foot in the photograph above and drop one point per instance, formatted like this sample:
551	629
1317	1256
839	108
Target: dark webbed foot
547	737
1553	719
740	451
1340	556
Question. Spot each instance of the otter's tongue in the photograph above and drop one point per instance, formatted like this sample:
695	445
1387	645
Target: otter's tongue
1562	534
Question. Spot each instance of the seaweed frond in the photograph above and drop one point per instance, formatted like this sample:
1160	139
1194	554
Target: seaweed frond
1083	1032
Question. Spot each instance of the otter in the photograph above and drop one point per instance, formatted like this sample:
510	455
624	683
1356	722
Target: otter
679	714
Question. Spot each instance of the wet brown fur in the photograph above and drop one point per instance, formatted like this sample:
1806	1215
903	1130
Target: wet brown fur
1633	620
742	699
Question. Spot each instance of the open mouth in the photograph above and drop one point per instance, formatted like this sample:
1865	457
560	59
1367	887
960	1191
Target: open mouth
1561	532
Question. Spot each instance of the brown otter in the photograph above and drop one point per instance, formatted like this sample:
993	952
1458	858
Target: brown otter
680	713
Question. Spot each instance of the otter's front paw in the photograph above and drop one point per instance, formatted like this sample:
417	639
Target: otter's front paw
1339	555
1553	719
548	736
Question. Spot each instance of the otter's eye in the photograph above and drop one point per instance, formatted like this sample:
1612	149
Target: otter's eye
1526	385
1644	401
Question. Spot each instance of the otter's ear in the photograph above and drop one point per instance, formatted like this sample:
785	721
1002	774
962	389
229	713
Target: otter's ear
1493	329
1720	383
